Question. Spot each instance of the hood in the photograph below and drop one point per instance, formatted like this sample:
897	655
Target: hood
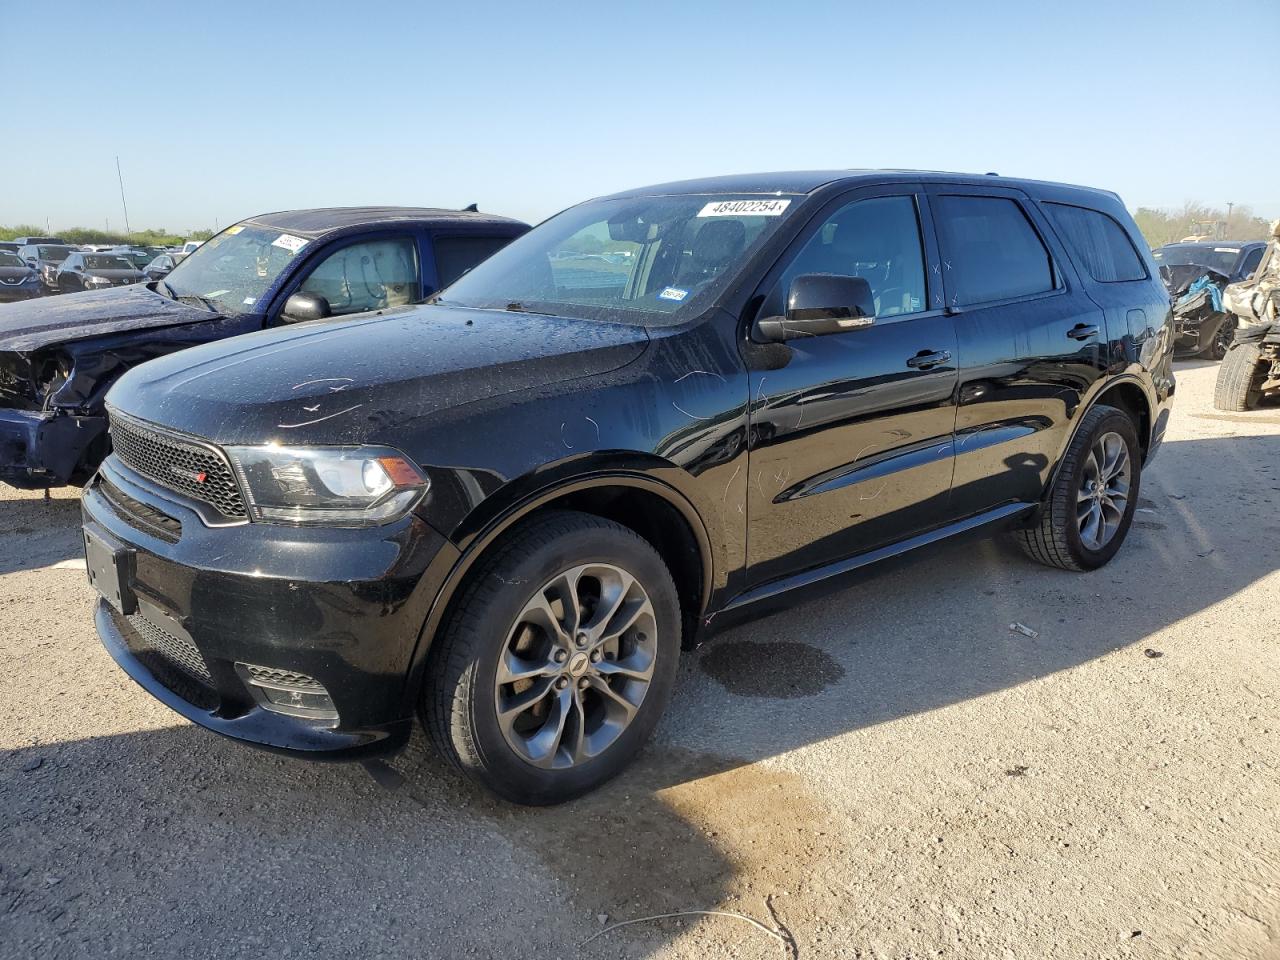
365	380
16	273
41	323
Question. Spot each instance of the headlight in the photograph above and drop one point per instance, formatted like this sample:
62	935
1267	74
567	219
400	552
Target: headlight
341	486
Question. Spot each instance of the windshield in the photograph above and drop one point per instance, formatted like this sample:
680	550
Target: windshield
54	254
235	268
136	258
107	263
645	260
1221	259
8	259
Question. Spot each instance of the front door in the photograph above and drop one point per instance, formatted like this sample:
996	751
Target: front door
851	432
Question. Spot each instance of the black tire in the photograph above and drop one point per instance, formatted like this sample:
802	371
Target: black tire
1054	537
1239	384
459	702
1217	346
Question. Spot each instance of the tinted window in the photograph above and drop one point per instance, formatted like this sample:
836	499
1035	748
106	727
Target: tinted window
456	255
878	240
1251	262
1099	243
367	276
993	251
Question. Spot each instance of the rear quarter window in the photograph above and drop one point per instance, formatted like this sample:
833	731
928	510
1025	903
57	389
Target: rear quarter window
1097	243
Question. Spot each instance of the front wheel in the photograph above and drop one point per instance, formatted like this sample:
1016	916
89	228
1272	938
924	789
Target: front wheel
1239	384
558	661
1090	507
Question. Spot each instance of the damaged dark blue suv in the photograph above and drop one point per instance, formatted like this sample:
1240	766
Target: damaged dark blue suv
59	356
509	510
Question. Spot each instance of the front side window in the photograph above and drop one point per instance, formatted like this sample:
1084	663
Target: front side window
990	249
876	239
645	260
370	275
1098	242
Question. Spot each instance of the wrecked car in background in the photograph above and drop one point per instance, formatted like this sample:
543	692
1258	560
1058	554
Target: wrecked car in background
1196	274
58	357
1250	372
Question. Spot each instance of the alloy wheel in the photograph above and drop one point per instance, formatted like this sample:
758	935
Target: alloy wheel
576	666
1104	490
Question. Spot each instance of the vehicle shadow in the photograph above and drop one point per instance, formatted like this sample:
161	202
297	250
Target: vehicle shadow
187	822
35	532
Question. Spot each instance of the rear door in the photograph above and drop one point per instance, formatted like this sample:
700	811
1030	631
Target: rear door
1030	343
852	432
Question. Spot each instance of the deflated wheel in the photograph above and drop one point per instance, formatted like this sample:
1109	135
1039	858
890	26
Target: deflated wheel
543	694
1089	509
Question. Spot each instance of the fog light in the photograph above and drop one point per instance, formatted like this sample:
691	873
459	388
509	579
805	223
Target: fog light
285	691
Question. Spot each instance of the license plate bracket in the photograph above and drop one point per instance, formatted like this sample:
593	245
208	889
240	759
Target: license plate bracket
110	565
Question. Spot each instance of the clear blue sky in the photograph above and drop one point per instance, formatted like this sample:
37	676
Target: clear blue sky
219	110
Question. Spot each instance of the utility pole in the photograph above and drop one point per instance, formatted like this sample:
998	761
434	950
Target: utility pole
1228	227
120	177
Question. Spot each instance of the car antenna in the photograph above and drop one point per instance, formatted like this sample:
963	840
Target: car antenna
471	208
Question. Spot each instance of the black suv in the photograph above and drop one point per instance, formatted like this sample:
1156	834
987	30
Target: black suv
510	509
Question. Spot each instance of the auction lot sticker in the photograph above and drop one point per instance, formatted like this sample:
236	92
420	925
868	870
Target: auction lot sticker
289	242
745	208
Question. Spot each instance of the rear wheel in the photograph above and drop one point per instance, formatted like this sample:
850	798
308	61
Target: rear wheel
558	662
1239	383
1090	508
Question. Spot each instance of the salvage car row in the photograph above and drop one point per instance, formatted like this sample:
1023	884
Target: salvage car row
345	468
40	266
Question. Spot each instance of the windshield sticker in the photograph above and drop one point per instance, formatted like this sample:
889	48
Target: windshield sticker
673	293
232	231
745	208
250	301
289	242
1225	250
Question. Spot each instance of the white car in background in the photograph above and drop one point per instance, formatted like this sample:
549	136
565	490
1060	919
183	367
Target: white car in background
190	245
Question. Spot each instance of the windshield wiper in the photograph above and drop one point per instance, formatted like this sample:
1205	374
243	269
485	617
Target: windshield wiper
173	295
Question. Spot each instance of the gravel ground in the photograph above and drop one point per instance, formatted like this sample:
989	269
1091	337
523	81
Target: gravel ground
888	772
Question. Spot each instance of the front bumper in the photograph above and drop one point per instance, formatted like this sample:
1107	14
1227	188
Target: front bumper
342	607
11	292
42	449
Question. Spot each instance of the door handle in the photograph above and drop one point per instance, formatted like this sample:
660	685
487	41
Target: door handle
1083	331
926	359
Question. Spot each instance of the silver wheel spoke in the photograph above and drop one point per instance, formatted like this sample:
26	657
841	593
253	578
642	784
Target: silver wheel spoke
1103	496
576	666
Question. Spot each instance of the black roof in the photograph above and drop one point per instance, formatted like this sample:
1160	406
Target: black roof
322	220
807	181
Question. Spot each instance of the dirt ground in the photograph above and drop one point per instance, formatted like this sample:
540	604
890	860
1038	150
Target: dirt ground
888	772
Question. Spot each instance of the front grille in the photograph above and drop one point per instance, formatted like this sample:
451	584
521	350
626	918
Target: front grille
272	677
173	661
139	515
176	463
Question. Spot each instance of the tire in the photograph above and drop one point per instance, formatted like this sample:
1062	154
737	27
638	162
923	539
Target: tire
1239	383
492	630
1220	342
1059	537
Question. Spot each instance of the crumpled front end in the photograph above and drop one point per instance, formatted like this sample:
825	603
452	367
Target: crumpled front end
1200	317
1257	300
53	425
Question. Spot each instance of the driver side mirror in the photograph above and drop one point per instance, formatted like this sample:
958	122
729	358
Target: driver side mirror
818	304
305	306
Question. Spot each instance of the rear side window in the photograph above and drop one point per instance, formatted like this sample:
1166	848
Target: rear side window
1098	242
456	255
993	251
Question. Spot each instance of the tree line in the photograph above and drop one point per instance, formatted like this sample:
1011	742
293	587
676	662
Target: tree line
142	238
